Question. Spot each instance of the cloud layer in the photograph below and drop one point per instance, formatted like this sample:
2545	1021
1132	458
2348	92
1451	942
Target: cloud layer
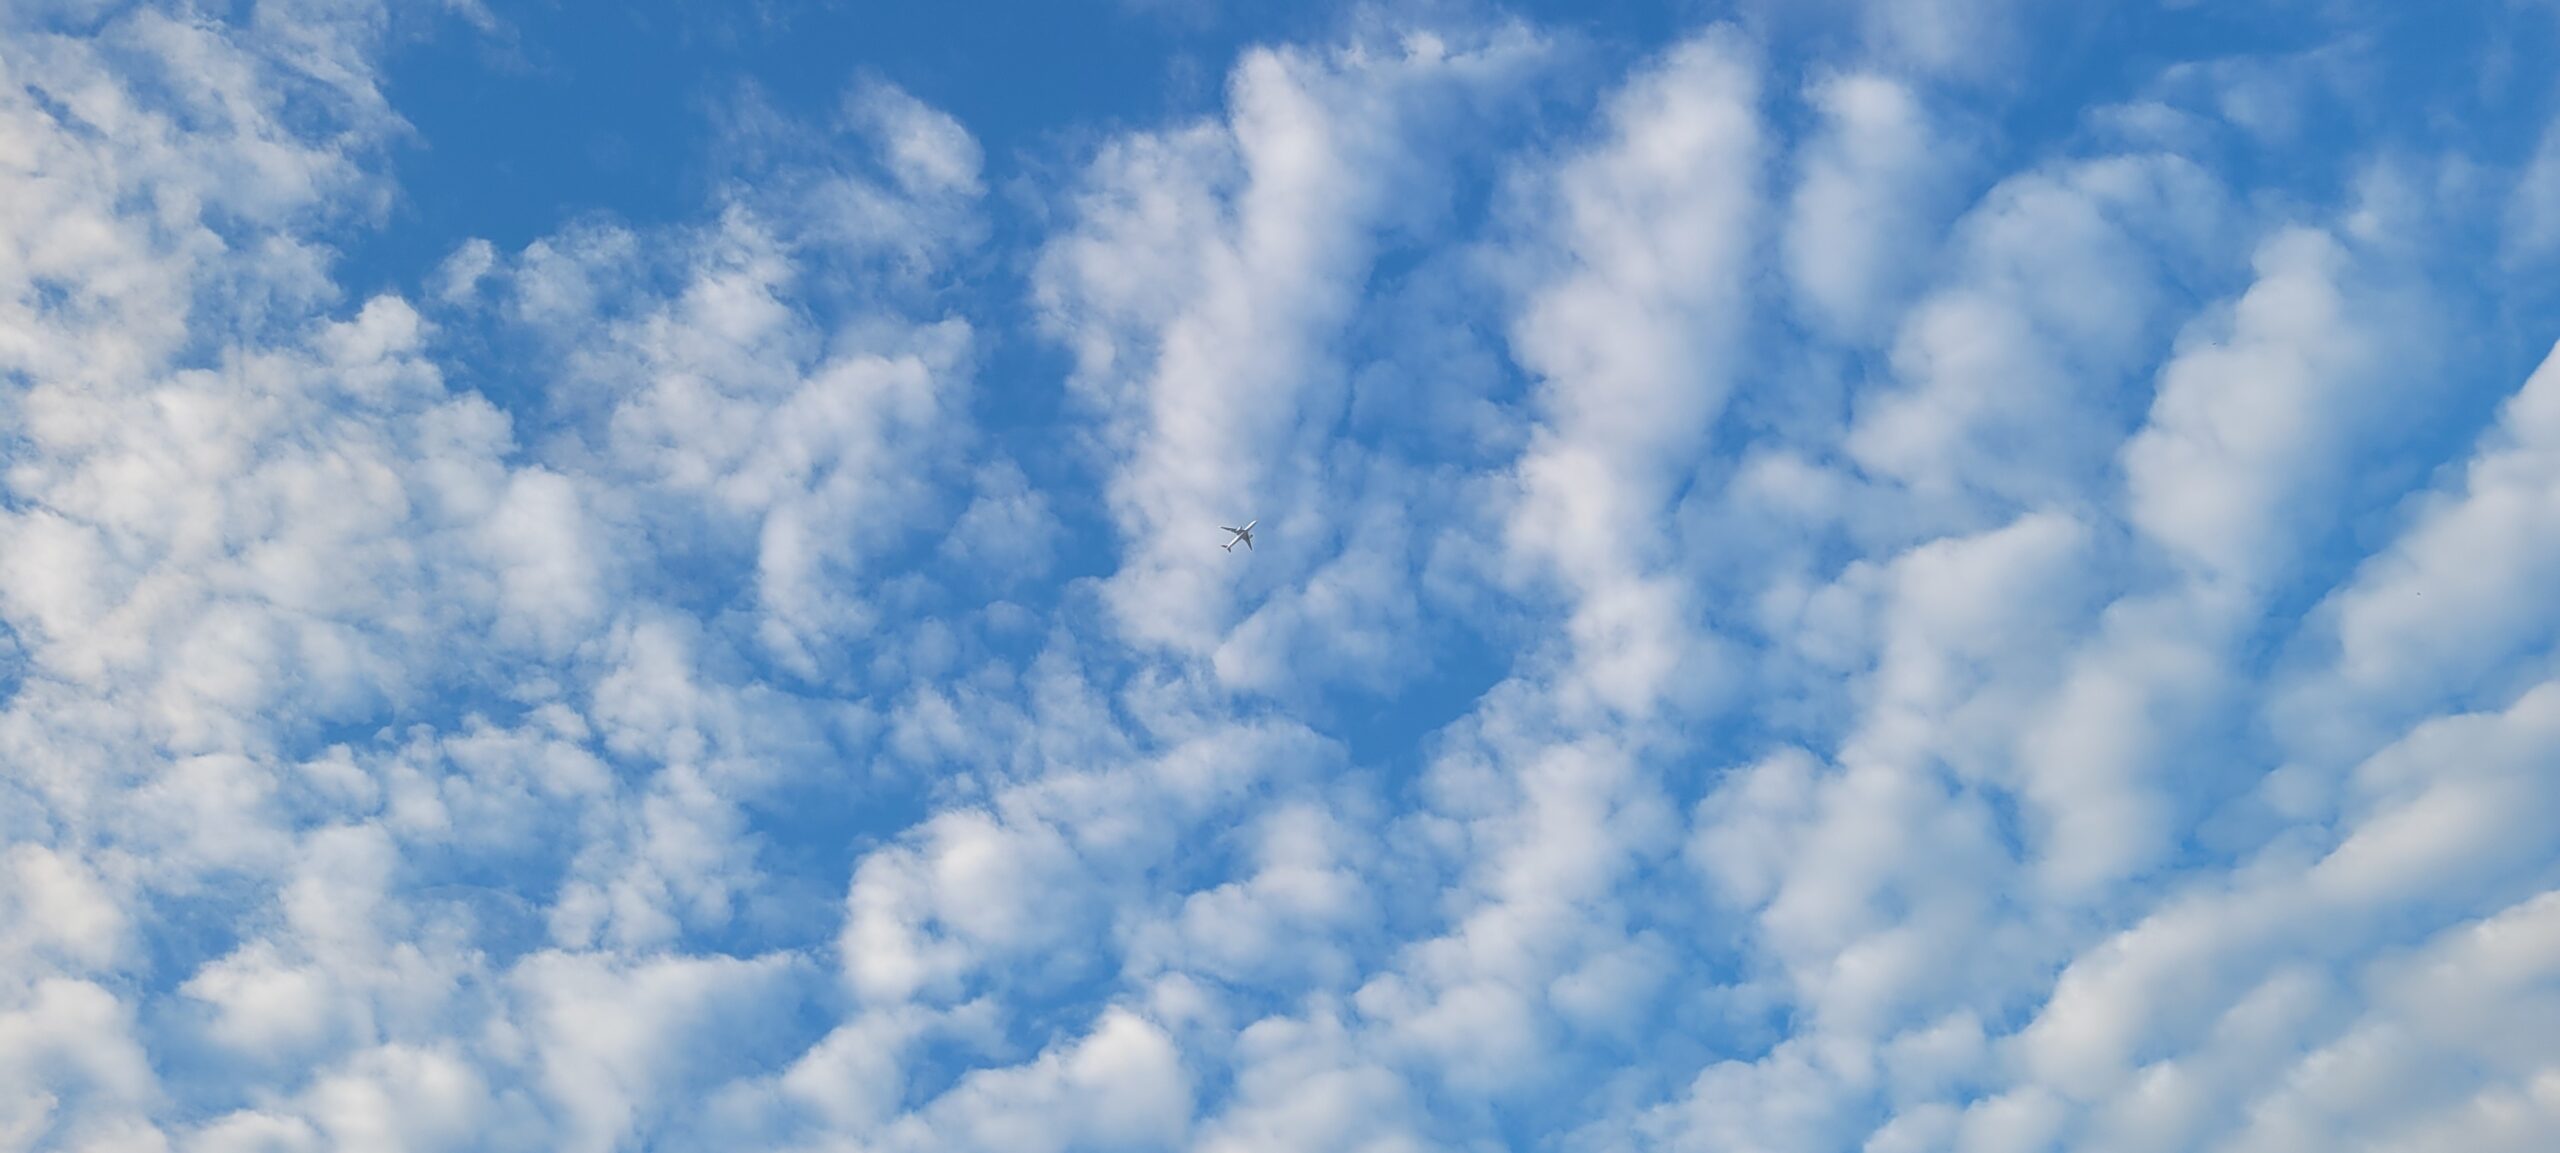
1823	586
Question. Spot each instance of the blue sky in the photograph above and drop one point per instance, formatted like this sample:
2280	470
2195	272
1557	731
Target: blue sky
1947	575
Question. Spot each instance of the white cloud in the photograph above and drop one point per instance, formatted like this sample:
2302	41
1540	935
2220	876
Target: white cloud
1303	1084
1866	190
2476	998
303	556
927	151
74	1069
1354	616
237	523
540	542
400	1098
1632	344
1868	941
459	277
2450	612
2212	976
1278	920
2260	407
2022	1122
856	1077
2058	288
1204	279
1787	1102
620	1044
1968	39
2533	209
1039	869
1121	1086
1007	533
2246	423
806	447
2439	818
1887	891
58	904
1540	803
989	885
225	534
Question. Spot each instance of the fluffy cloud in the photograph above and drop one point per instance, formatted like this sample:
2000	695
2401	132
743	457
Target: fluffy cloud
1207	276
2533	215
2479	547
1633	343
1860	214
2004	371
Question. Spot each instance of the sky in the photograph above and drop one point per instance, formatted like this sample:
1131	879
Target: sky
1841	575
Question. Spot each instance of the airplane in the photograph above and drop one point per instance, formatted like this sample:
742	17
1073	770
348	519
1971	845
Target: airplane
1244	536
